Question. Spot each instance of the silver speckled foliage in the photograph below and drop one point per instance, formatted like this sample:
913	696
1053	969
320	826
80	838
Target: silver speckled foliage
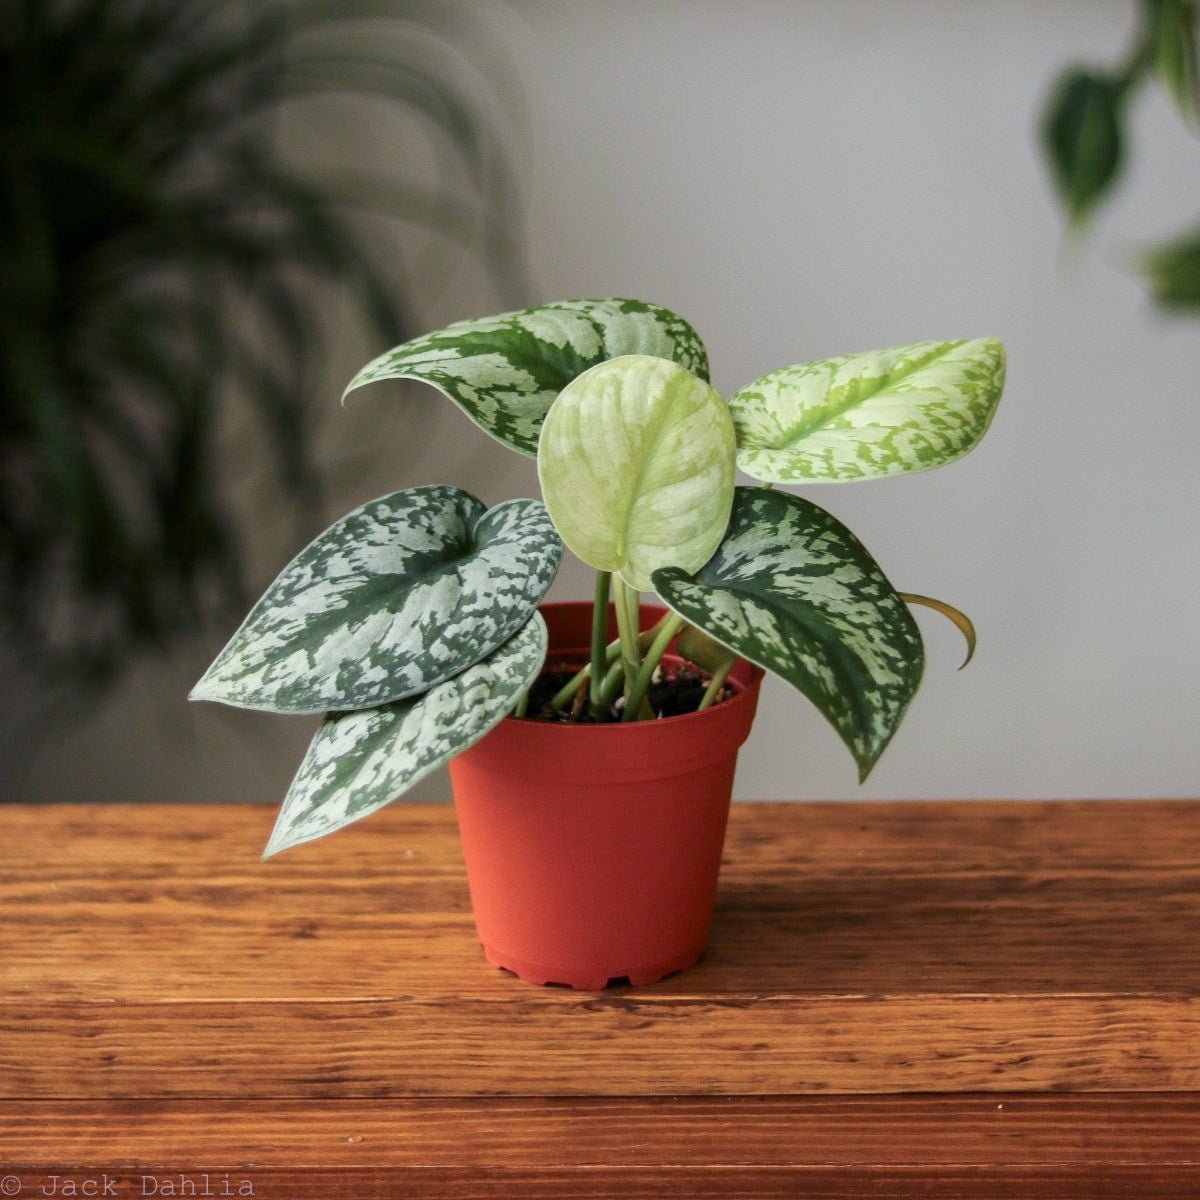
397	596
412	622
792	589
506	371
357	762
862	416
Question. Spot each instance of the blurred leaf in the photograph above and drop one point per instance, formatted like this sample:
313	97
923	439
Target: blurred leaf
1173	272
161	253
1082	139
1175	38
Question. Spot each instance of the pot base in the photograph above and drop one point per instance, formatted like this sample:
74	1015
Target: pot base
592	981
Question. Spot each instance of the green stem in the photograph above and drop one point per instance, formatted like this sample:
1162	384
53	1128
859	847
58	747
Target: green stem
641	684
1141	56
599	637
522	704
633	598
615	678
715	684
566	693
630	657
612	685
612	653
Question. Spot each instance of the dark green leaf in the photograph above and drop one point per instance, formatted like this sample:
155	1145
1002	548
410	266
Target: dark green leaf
505	371
1173	272
1081	136
360	761
792	589
397	596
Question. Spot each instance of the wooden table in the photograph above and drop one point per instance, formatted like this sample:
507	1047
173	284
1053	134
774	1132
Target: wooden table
900	1000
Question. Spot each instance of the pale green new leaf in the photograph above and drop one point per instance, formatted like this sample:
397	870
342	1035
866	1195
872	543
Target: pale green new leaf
398	595
360	761
506	371
637	461
792	589
863	416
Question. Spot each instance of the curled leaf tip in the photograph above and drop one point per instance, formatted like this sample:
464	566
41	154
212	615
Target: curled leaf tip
952	614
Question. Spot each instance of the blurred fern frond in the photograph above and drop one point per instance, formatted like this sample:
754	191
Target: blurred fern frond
160	249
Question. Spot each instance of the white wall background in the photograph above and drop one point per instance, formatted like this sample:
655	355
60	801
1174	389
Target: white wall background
801	180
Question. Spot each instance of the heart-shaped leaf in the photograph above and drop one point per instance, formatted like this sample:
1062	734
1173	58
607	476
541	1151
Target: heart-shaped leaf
357	762
862	416
506	371
637	462
793	590
398	595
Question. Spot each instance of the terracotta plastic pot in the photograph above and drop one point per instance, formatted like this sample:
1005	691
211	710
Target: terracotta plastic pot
592	851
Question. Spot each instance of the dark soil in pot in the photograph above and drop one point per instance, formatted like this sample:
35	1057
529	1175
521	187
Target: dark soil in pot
676	691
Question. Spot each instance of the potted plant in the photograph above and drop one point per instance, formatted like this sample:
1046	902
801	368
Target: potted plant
592	747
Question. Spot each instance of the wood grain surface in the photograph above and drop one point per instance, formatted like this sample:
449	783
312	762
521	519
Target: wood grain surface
925	999
1013	1146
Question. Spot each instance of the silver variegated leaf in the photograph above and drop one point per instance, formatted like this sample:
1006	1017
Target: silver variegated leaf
863	416
357	762
792	589
505	371
397	596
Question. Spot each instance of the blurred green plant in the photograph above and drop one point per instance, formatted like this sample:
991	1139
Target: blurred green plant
1084	133
159	252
